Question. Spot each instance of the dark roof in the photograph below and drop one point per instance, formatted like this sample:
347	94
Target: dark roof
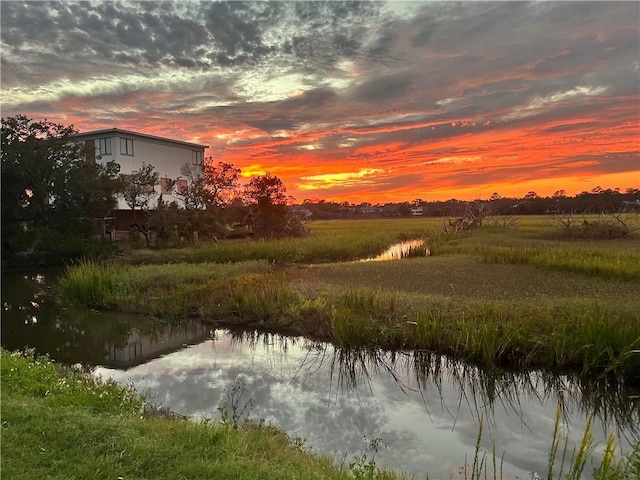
93	133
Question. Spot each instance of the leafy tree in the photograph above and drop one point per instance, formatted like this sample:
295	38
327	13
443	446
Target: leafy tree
138	192
170	224
206	193
267	190
48	185
211	187
221	181
268	200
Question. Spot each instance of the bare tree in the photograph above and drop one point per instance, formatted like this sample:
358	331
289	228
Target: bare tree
472	217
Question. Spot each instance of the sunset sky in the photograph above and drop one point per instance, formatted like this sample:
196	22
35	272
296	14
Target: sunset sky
349	101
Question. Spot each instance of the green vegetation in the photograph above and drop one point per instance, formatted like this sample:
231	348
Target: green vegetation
330	241
480	297
51	189
46	408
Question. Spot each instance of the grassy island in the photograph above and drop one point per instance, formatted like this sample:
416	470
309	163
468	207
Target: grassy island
518	296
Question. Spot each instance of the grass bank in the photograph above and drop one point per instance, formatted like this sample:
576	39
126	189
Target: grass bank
497	315
58	423
517	296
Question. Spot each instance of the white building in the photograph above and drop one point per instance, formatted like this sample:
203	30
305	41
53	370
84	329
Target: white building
132	149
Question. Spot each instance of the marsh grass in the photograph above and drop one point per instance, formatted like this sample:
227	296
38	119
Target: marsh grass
591	335
119	286
609	259
328	242
613	464
584	260
492	296
91	283
531	242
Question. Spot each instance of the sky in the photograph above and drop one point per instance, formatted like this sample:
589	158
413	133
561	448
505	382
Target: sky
349	101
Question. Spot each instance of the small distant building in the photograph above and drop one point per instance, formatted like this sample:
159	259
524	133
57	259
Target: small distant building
417	211
369	210
631	206
301	213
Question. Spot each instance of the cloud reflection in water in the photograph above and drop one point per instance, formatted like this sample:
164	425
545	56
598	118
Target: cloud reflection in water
424	407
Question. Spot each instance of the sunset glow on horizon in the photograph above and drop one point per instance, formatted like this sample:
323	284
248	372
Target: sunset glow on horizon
350	101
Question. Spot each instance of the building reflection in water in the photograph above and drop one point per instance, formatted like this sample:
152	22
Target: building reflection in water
140	347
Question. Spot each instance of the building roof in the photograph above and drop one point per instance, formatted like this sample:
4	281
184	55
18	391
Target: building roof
114	131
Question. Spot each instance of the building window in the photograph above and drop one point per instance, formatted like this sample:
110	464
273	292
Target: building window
126	146
181	186
165	185
197	158
104	146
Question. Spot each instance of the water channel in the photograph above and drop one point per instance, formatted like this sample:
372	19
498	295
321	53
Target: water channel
425	409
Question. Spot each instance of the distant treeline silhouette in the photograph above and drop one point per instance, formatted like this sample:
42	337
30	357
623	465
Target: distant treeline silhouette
597	200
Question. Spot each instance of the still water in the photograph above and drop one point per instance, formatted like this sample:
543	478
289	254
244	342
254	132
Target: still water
425	409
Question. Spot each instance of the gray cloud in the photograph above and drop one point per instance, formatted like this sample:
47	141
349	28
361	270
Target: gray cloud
331	71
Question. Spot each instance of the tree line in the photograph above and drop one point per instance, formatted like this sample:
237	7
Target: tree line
597	200
51	194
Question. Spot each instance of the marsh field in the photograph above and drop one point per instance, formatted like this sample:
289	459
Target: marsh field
514	313
514	295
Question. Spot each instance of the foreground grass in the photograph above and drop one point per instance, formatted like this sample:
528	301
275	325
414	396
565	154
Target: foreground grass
60	423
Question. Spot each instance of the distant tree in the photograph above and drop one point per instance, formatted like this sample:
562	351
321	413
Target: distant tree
268	203
49	186
138	192
559	194
531	195
495	196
